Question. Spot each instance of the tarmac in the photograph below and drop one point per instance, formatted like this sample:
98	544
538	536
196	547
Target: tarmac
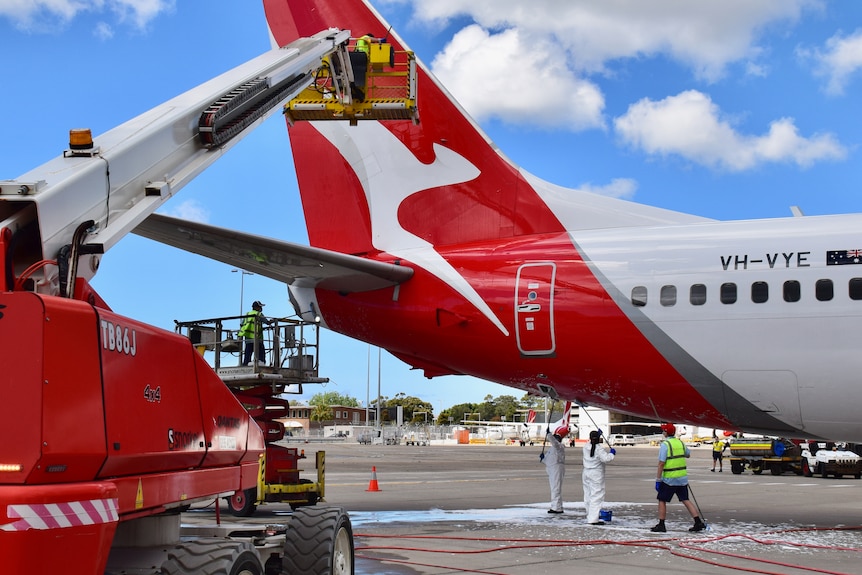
483	509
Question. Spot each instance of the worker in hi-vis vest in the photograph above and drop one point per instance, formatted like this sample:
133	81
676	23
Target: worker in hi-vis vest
672	478
361	66
250	330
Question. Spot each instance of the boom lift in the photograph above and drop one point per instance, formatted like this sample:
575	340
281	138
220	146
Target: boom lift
115	426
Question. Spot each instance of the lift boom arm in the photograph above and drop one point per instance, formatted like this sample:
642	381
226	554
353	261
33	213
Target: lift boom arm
81	203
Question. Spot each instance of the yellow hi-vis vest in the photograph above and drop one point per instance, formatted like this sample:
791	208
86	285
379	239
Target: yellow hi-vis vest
250	325
674	466
363	44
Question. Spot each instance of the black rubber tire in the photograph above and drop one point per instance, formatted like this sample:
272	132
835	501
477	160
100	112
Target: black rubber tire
213	557
736	467
242	503
775	469
319	541
823	472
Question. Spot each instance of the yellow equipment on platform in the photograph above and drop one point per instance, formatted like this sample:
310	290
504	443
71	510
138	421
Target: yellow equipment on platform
374	82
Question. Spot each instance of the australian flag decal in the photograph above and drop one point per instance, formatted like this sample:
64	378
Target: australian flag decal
843	257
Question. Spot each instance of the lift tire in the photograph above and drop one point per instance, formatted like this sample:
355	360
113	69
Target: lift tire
212	557
242	503
736	467
319	541
775	469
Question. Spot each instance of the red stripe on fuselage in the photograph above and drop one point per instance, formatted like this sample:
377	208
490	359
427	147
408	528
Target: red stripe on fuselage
601	358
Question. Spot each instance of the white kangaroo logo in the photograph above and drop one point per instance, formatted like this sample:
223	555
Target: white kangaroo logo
389	174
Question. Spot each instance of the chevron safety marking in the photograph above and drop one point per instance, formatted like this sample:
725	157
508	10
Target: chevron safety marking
61	515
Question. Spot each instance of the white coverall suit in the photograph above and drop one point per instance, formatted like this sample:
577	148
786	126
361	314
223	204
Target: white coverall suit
555	460
594	480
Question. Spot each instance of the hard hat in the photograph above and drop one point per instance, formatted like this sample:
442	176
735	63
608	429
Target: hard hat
562	430
669	428
257	305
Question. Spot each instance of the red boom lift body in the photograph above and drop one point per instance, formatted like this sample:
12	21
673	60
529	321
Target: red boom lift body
113	420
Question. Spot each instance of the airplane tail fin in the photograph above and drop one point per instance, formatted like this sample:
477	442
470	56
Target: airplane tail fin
565	419
385	186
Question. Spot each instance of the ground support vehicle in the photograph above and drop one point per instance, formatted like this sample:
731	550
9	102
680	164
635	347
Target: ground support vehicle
621	439
118	425
292	348
828	458
416	438
757	454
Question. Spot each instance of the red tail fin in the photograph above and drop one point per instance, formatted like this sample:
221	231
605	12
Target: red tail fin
387	186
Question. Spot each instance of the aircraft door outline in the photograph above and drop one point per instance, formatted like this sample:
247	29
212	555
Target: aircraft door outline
534	309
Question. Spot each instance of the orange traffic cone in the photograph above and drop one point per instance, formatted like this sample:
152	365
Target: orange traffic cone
372	485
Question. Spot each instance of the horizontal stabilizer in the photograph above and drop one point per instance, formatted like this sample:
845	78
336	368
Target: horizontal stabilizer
291	263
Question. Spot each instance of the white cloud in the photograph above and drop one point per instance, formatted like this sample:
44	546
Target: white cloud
103	31
705	35
623	188
502	75
840	59
188	210
48	15
690	125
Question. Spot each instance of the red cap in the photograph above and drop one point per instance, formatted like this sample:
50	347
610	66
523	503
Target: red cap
668	428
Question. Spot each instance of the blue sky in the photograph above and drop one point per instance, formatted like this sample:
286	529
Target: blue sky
729	109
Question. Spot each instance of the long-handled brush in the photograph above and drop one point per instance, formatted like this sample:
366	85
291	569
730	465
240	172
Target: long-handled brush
699	512
583	409
548	423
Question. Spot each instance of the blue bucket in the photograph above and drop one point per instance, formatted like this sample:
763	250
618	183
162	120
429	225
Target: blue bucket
606	515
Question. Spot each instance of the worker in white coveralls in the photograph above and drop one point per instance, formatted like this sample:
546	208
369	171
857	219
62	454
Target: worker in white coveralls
595	458
555	461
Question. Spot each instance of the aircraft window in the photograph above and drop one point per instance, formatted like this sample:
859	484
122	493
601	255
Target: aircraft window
728	293
639	296
856	288
668	295
792	291
697	294
759	292
823	290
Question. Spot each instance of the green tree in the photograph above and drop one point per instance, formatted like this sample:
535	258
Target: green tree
506	406
457	412
414	408
530	401
321	413
333	398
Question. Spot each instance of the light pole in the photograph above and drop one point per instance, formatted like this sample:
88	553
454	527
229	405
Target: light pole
241	287
378	385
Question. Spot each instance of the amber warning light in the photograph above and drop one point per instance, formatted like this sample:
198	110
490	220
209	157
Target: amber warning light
80	139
